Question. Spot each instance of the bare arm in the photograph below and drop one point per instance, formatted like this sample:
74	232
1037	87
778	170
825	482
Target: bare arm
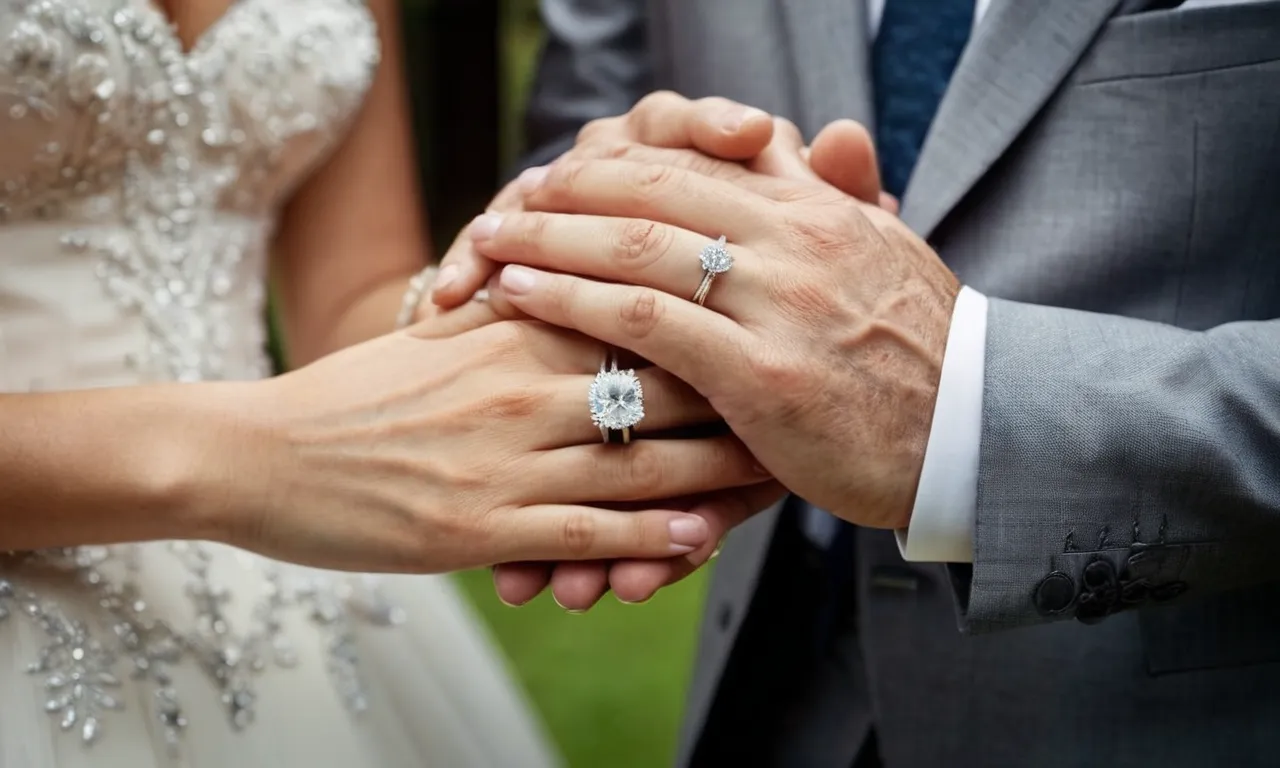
354	234
112	465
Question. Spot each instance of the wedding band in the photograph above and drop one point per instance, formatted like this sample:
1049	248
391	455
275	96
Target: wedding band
715	260
616	400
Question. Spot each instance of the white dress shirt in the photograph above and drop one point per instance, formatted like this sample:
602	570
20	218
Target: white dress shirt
946	509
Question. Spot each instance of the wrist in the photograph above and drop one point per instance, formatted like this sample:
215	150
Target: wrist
213	469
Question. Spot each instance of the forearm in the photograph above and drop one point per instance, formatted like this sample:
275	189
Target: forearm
1104	437
370	313
115	465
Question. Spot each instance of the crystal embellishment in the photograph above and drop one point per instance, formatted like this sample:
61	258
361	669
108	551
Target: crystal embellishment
616	399
715	258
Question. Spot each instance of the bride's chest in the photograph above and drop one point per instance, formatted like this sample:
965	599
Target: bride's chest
93	92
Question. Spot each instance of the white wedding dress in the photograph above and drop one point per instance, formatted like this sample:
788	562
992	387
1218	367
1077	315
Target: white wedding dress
138	190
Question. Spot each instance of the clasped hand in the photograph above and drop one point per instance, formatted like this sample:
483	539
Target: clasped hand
821	349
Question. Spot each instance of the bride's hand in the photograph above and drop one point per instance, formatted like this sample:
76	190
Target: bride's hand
413	454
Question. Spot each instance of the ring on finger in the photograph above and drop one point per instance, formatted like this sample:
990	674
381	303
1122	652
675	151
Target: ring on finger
715	260
616	400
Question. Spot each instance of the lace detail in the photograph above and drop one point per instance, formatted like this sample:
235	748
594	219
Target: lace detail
170	164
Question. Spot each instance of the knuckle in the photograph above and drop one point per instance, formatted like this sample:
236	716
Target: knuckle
564	177
656	101
782	127
641	313
776	371
511	404
640	243
505	341
578	533
596	129
652	182
644	471
531	229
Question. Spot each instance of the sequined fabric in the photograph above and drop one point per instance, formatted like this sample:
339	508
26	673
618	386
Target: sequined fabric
138	187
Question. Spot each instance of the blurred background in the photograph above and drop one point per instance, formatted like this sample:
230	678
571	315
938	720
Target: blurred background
610	683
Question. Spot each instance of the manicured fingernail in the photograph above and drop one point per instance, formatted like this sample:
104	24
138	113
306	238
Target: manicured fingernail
687	533
731	120
633	602
532	178
485	226
517	280
504	602
447	275
575	611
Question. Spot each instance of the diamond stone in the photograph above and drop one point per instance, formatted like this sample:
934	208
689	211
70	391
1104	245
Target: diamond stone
716	258
616	400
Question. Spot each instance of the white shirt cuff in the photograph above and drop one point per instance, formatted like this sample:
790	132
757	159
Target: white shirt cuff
946	509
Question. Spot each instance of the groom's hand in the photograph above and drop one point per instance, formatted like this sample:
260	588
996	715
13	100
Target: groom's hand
821	348
708	129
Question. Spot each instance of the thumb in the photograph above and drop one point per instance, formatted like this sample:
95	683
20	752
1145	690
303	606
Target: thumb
845	157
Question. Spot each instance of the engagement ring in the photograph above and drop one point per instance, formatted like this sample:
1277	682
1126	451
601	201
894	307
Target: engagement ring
616	400
715	259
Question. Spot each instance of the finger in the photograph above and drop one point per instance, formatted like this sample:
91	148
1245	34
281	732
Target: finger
845	157
785	155
669	403
645	469
564	532
620	250
577	586
635	581
757	179
518	583
719	127
472	315
711	207
889	203
702	347
463	271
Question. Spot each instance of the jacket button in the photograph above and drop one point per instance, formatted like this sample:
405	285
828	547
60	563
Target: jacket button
1055	593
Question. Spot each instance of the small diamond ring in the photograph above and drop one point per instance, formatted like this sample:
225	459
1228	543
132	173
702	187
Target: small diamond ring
616	400
715	259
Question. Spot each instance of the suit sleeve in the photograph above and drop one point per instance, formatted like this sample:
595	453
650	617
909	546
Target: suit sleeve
1123	463
596	62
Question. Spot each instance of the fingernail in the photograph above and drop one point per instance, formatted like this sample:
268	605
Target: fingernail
517	280
687	533
633	602
532	178
485	226
575	611
731	120
504	602
447	275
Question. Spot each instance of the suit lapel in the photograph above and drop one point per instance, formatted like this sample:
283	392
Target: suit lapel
1018	57
827	41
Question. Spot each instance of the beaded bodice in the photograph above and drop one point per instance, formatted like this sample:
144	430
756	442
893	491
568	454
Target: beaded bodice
138	191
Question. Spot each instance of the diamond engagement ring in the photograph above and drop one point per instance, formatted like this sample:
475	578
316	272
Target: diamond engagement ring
616	400
716	260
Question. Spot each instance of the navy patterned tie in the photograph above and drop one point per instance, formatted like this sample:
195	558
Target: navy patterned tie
915	52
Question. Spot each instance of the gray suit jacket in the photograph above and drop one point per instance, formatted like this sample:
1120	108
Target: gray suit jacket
1110	175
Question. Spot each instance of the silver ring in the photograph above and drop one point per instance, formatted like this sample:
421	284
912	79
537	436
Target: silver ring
715	260
616	400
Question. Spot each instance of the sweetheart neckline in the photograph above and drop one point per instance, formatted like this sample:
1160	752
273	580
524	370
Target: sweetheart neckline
205	36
